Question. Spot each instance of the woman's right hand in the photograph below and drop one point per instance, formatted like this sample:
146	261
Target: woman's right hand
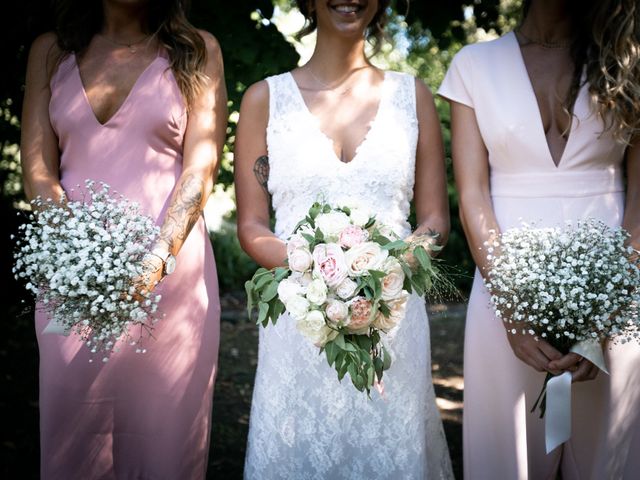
534	351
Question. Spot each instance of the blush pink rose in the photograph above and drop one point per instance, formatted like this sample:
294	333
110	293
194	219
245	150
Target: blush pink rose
360	314
329	263
352	235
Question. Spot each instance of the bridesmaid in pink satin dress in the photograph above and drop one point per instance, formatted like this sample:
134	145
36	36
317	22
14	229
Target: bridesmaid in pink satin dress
132	95
519	155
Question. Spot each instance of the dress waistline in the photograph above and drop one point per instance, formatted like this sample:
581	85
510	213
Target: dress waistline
557	184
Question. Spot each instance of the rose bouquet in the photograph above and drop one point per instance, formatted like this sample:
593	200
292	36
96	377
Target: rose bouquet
573	286
80	260
347	283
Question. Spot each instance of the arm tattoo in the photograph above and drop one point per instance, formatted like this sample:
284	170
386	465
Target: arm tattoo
183	212
261	171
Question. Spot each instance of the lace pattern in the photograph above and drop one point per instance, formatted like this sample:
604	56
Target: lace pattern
304	424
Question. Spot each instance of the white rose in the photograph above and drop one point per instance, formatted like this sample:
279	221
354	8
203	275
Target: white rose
295	242
398	308
300	260
288	288
297	306
314	327
346	289
337	311
359	216
303	279
332	223
365	256
393	281
317	291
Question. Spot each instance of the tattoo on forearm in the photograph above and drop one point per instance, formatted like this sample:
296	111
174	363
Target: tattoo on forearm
183	212
261	171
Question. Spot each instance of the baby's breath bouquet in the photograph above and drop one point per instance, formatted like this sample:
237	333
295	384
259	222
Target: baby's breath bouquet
573	286
346	285
80	259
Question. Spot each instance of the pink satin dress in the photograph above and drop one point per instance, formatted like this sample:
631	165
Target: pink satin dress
140	415
501	438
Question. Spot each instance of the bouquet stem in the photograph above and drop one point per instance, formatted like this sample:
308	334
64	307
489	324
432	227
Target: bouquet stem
541	401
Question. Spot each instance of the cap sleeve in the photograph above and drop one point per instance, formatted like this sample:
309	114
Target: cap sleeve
457	82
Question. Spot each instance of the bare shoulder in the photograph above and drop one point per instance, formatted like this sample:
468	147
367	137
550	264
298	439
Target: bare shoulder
423	92
45	48
256	97
211	43
44	57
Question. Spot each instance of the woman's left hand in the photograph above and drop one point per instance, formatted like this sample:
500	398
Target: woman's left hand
580	368
152	273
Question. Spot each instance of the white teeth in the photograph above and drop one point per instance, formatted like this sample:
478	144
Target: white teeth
347	8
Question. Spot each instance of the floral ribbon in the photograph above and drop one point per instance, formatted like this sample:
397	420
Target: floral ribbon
558	412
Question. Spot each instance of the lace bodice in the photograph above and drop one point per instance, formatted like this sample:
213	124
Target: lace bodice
304	167
305	425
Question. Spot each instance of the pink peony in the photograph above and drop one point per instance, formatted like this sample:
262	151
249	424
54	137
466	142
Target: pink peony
329	263
352	235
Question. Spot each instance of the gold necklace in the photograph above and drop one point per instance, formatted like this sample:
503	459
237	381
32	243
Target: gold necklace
545	44
131	46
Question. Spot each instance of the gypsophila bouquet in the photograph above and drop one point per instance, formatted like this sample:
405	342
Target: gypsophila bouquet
570	285
80	259
347	284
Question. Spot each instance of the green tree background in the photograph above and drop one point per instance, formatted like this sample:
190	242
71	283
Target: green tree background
427	35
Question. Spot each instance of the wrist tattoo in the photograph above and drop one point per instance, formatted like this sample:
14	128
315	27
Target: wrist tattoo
261	171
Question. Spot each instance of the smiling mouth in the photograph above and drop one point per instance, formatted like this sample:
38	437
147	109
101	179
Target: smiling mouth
347	8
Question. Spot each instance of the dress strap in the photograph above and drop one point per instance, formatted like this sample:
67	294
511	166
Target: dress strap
402	94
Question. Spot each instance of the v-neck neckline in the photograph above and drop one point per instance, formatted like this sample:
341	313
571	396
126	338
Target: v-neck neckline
127	98
536	109
330	142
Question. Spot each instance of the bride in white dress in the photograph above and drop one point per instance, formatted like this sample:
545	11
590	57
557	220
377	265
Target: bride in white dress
344	131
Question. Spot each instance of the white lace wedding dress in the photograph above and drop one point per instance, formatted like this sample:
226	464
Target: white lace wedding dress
304	423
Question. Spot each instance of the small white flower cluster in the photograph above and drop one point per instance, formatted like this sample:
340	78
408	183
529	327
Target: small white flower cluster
342	278
79	259
566	284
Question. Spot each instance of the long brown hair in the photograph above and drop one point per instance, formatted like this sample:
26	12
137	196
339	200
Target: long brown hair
606	47
77	21
375	32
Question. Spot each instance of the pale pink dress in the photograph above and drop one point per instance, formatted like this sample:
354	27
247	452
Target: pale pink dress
139	416
502	440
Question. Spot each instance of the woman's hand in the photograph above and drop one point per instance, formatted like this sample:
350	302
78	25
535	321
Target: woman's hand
152	274
424	240
535	352
581	368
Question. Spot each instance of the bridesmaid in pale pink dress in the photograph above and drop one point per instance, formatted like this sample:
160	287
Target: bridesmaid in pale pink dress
539	134
131	94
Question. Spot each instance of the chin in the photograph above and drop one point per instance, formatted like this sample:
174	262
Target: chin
346	17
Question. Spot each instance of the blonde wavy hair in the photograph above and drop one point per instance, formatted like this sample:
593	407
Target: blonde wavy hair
613	65
606	49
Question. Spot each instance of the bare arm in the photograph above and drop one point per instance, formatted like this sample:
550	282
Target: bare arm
203	142
430	191
631	221
251	176
38	144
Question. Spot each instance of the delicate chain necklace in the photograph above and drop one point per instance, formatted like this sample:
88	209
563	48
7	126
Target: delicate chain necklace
131	46
326	86
544	44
